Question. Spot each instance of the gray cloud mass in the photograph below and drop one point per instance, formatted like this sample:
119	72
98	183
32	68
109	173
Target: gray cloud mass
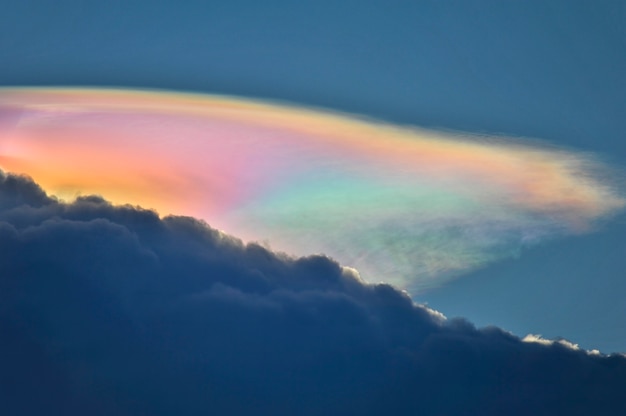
111	310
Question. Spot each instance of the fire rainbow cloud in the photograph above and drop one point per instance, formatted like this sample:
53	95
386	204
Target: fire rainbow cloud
408	206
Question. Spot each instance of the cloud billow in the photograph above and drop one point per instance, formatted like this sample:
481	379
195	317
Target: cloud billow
112	310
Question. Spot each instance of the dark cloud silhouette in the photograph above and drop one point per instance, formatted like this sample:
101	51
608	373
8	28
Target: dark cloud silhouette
112	310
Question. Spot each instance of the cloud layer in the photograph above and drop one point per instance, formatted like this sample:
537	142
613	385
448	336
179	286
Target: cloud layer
111	310
411	205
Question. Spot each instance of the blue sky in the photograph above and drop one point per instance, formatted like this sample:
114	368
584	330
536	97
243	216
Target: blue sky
547	70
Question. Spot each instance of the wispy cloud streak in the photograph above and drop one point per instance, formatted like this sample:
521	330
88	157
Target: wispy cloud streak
411	205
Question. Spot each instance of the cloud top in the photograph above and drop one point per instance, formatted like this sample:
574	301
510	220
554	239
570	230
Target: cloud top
409	204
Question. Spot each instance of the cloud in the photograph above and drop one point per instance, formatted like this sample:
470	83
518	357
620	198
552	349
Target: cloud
412	205
112	310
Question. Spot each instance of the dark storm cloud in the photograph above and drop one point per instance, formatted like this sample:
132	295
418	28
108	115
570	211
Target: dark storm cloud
111	310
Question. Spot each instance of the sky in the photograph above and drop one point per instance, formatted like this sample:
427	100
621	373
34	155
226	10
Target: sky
532	87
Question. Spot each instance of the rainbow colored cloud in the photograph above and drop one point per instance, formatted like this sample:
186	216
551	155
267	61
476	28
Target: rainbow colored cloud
408	206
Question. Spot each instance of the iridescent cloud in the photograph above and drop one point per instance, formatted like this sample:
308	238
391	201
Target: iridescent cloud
403	205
